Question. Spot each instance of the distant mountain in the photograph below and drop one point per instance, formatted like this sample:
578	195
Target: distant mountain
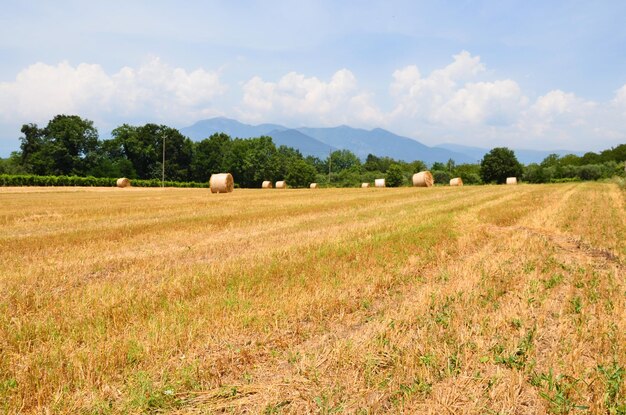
205	128
318	141
523	155
382	143
281	135
307	145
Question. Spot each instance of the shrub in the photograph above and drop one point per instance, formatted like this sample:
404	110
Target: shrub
395	176
441	177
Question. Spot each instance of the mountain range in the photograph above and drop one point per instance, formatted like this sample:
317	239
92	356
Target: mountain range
319	142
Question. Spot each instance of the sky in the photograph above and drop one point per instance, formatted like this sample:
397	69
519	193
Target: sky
522	74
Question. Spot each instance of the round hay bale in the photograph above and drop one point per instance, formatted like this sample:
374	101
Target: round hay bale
123	182
364	185
457	181
267	185
511	180
379	182
221	183
423	179
313	185
281	184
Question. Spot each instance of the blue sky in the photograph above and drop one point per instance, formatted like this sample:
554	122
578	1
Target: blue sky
525	74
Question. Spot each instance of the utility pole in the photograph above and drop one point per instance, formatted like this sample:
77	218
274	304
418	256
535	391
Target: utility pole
163	165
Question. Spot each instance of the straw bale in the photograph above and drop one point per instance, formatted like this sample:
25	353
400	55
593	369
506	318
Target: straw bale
364	185
457	181
267	185
281	184
423	179
123	182
313	185
221	183
511	180
379	182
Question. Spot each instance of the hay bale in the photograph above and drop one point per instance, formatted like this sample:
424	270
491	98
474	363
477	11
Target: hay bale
364	185
281	184
313	185
266	185
423	179
221	183
511	180
123	182
379	182
457	181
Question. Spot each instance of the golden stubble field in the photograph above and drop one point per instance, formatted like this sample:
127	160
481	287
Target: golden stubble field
491	300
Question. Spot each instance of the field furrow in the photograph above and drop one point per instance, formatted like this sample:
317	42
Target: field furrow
491	299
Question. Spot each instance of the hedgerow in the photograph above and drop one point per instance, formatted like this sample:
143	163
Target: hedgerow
89	181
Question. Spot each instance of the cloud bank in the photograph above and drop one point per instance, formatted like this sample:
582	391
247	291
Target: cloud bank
154	91
461	102
302	99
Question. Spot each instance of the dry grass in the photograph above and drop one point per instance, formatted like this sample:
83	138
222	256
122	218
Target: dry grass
488	299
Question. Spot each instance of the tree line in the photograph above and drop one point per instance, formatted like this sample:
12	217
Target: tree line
70	146
590	166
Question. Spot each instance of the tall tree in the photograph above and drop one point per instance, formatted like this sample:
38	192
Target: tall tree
75	144
299	172
251	161
208	156
499	164
343	160
34	159
143	146
67	145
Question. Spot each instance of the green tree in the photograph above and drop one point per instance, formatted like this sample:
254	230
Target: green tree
12	164
110	161
74	143
372	163
395	176
33	144
299	173
439	166
470	173
208	156
416	166
590	158
499	164
251	161
141	152
450	165
320	165
143	146
551	160
535	173
570	160
67	145
441	176
343	160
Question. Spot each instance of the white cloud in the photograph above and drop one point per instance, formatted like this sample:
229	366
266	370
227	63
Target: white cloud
620	98
557	103
308	100
446	97
463	103
153	91
561	118
491	103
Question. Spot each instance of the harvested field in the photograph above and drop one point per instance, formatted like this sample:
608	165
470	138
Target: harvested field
477	299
